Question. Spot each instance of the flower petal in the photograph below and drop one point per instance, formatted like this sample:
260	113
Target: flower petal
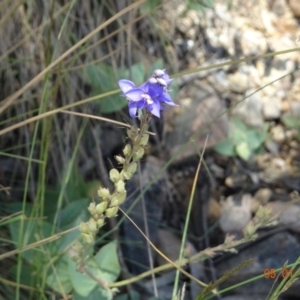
132	108
126	85
155	109
135	94
166	98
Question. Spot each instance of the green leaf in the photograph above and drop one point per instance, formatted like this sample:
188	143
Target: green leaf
159	64
33	231
291	121
59	279
138	73
104	266
107	260
133	295
75	212
243	150
226	147
96	294
82	283
103	79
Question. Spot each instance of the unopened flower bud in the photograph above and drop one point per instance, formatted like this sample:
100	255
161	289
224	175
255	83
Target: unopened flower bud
120	159
114	202
120	186
138	154
74	254
77	246
88	238
132	167
92	208
103	193
111	212
127	150
152	80
84	228
126	175
114	175
249	230
145	129
120	198
144	140
132	132
101	207
158	73
92	225
161	81
100	222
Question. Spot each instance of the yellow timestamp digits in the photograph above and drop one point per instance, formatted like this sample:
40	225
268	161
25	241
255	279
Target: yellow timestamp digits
271	273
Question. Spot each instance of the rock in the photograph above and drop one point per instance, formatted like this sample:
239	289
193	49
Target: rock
165	239
278	133
238	82
201	115
272	167
234	217
263	195
253	42
268	253
289	214
250	110
271	108
295	7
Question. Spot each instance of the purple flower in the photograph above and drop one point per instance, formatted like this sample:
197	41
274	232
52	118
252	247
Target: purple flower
150	95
